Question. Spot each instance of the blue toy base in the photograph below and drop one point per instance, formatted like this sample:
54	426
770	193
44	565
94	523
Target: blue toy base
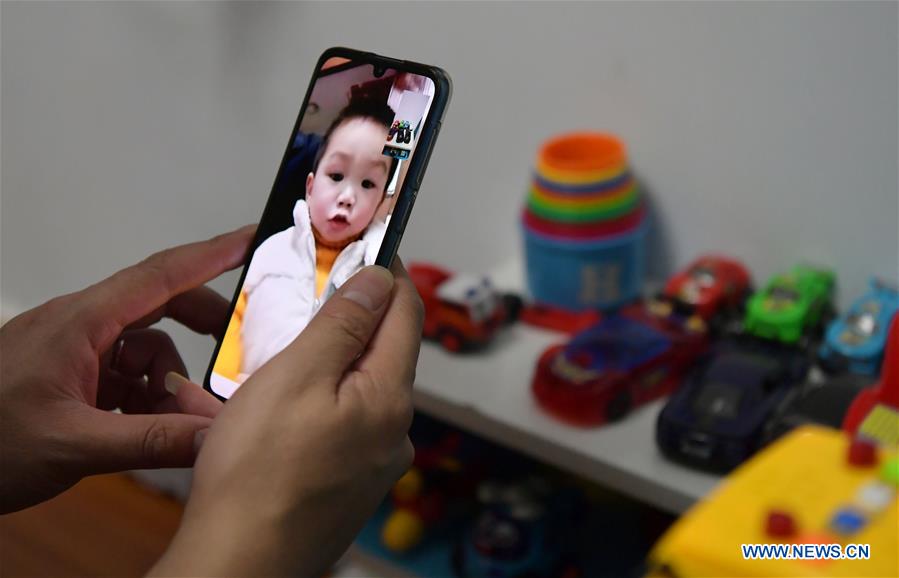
432	558
577	276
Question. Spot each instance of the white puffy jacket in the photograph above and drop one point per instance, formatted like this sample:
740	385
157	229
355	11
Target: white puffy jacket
280	285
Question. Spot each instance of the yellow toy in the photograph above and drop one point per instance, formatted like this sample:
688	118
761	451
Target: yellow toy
814	486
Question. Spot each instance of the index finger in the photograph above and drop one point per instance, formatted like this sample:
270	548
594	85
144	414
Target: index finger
132	293
200	309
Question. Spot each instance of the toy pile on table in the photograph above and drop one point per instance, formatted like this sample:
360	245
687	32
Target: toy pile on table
584	223
739	364
835	486
471	509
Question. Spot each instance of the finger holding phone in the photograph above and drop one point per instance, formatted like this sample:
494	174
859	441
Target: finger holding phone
68	362
303	453
293	464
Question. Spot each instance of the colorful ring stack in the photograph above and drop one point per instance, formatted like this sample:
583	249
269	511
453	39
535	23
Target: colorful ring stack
584	224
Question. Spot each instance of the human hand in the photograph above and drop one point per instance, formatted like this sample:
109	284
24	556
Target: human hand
69	361
306	449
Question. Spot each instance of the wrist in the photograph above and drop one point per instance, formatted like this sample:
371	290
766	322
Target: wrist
227	545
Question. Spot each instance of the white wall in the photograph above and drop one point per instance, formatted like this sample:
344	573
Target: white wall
764	130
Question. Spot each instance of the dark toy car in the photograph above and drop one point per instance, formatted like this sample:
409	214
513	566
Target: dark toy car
525	529
623	361
715	421
399	140
815	403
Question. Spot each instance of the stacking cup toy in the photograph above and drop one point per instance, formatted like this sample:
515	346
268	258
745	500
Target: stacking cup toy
584	224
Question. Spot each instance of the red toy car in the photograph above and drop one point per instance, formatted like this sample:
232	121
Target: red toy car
462	311
711	285
622	362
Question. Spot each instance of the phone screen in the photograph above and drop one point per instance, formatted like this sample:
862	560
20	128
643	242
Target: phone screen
330	207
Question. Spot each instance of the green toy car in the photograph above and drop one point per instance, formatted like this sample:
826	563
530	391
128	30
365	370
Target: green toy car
792	305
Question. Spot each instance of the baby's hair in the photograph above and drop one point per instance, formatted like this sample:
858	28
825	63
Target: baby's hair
366	108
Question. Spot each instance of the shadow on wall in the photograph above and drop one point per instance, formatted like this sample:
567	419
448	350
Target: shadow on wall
658	241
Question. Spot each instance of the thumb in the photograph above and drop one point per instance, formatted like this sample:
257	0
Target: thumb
341	330
115	442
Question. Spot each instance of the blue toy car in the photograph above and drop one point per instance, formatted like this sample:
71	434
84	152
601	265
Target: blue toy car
855	341
716	419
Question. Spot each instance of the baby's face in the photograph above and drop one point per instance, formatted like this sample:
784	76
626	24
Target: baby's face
348	186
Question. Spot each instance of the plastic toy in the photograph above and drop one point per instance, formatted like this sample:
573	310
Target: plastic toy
558	319
437	488
715	421
584	231
400	132
792	306
710	286
583	208
393	130
399	140
523	531
813	486
575	181
624	361
584	225
462	311
823	404
855	341
874	414
578	275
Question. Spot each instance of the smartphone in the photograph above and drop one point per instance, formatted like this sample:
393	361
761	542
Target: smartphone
341	199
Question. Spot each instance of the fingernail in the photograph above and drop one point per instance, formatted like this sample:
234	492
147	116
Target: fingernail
174	381
370	287
198	439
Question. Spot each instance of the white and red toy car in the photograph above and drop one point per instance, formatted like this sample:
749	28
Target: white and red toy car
462	311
